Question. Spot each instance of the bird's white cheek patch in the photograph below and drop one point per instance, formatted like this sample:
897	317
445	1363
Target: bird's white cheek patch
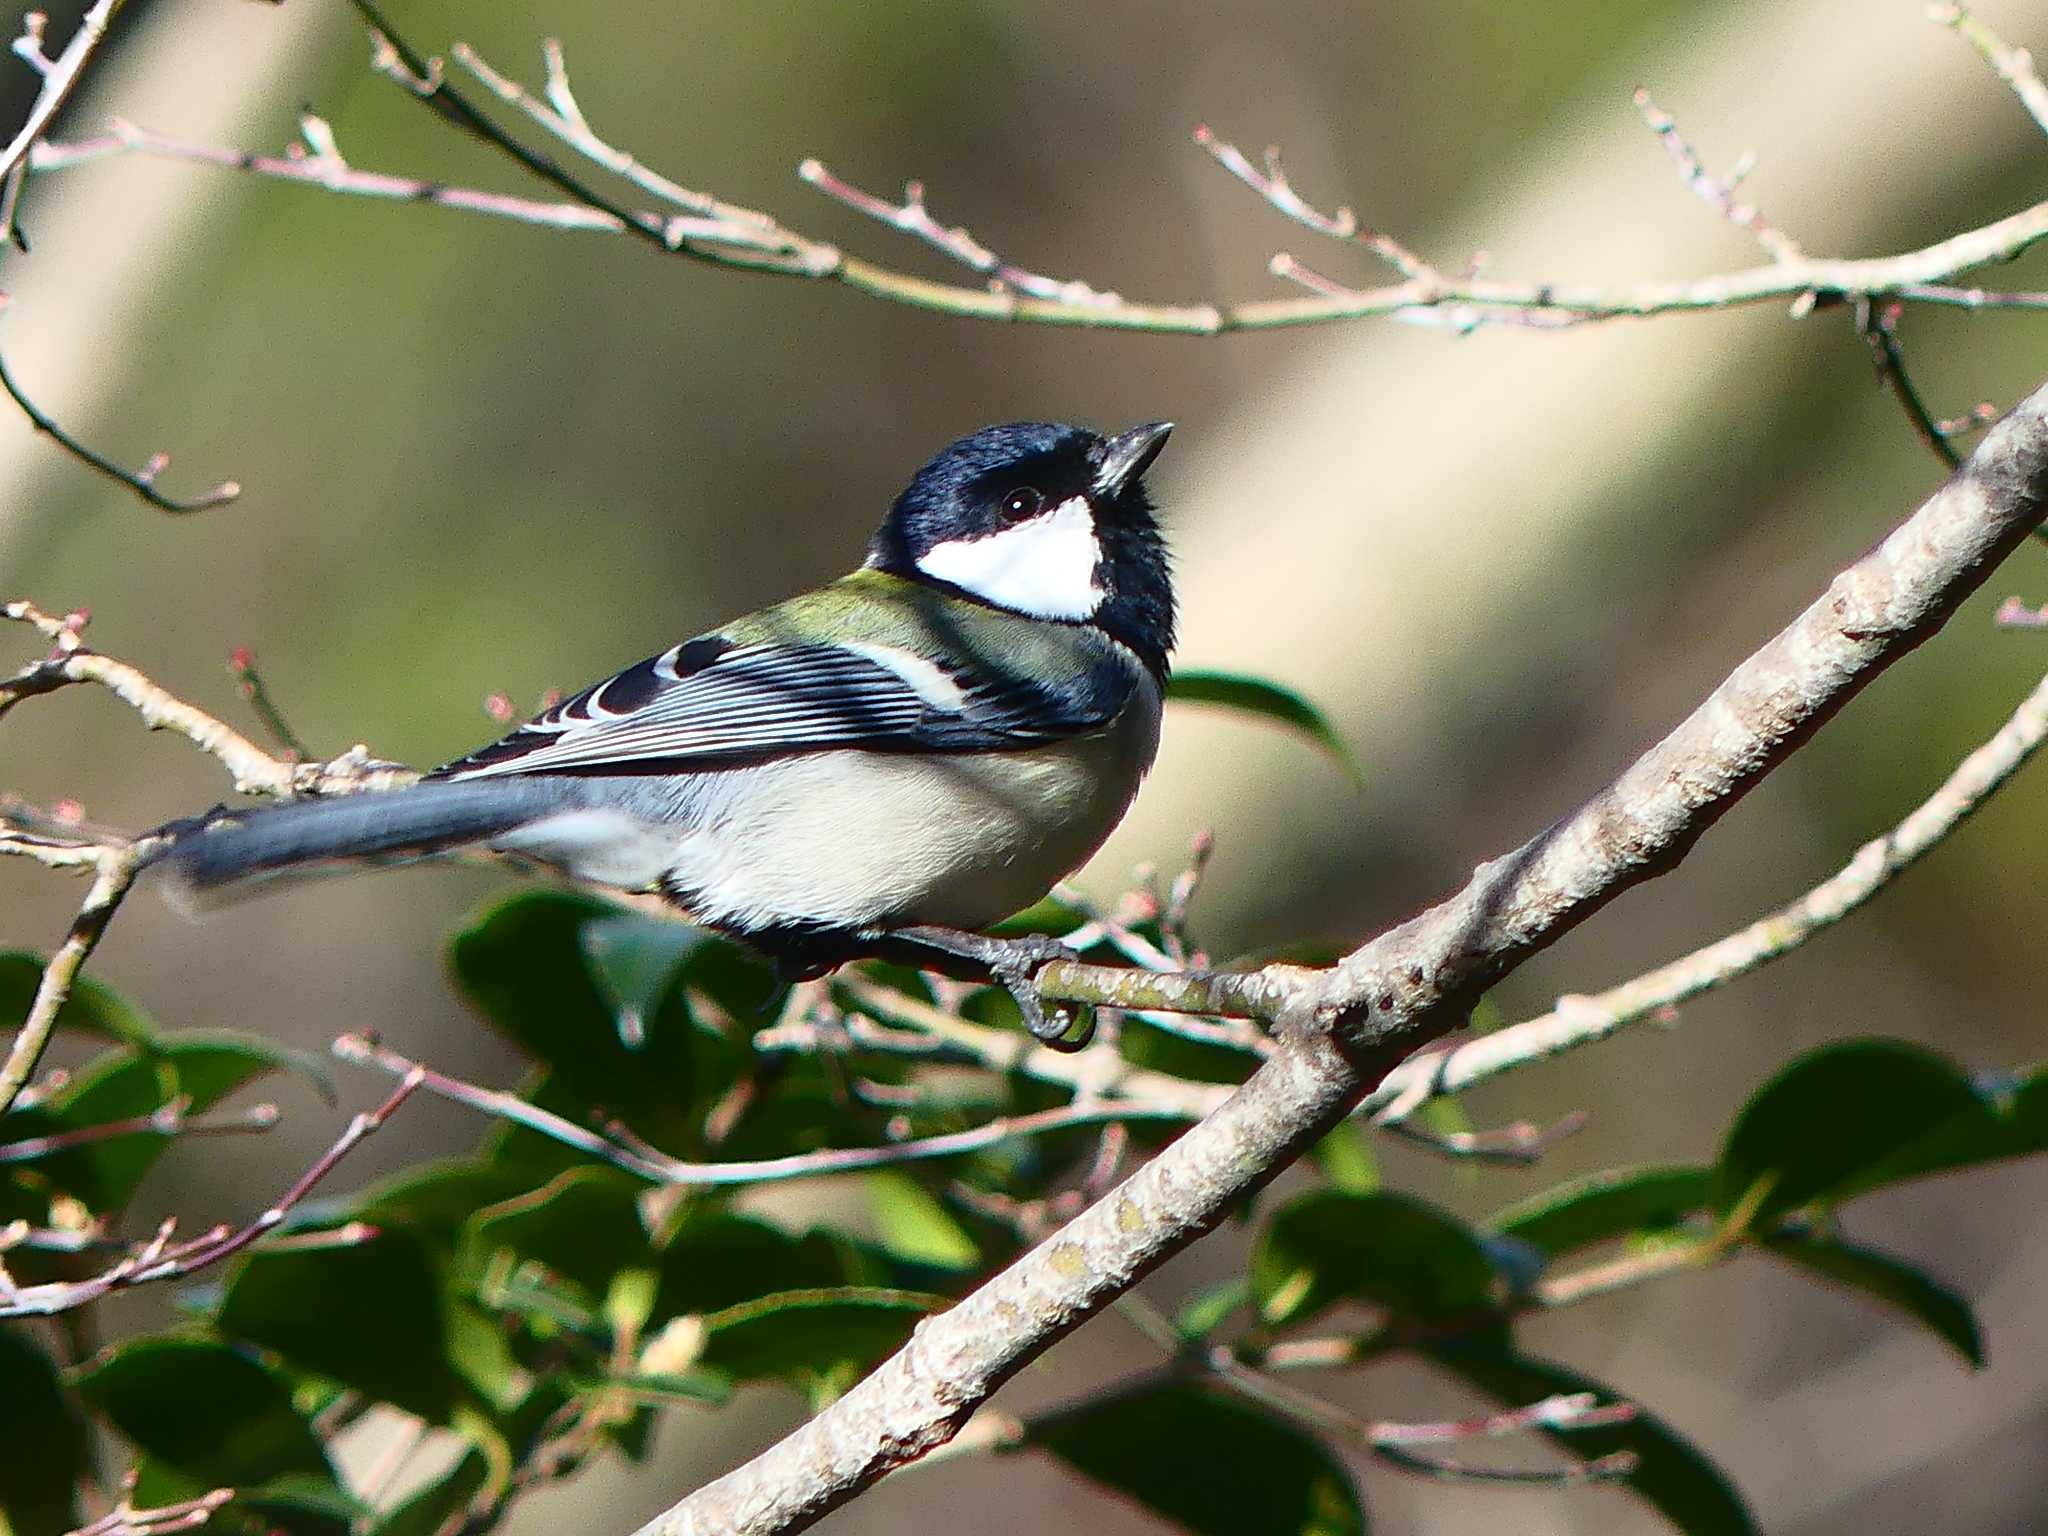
1044	567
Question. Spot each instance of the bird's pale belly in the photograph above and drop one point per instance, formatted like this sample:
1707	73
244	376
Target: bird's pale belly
876	840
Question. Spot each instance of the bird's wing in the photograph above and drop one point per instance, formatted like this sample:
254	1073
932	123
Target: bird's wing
712	703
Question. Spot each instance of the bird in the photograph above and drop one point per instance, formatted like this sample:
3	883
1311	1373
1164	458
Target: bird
884	765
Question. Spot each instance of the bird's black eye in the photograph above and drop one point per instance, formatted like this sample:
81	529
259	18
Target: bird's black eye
1021	503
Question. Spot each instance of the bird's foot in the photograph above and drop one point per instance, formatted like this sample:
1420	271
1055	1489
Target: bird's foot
1012	963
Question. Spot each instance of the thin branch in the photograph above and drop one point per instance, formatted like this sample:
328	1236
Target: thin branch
1579	1021
619	1147
60	75
2015	66
242	665
1717	192
255	771
124	1519
1343	1029
114	871
141	481
174	1118
1878	324
162	1259
1517	1145
745	238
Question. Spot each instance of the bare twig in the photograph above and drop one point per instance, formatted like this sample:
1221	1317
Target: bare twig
162	1259
60	76
174	1118
124	1519
1578	1021
1878	324
1717	192
2015	66
141	481
255	771
114	871
720	233
619	1147
242	665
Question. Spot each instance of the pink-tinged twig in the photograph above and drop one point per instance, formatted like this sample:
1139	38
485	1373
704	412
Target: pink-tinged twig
124	1519
618	1145
162	1259
242	666
141	481
1516	1145
1717	192
1570	1410
1272	185
2015	66
913	218
172	1119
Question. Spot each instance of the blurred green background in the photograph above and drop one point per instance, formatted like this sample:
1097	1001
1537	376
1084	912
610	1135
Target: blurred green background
481	458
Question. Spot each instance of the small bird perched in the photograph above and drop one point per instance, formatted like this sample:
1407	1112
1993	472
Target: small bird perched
882	765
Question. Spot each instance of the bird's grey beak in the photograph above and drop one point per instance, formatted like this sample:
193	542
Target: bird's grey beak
1129	455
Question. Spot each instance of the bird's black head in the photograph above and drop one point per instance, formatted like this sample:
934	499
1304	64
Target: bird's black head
1045	520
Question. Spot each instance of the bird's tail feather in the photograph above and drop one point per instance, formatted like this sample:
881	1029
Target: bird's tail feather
215	858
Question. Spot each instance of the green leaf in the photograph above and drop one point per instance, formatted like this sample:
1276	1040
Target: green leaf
1845	1118
1346	1158
434	1199
524	964
92	1008
205	1409
1269	701
47	1451
716	1260
1207	1461
1398	1252
915	1227
1672	1474
635	960
827	1336
1603	1206
370	1314
1891	1280
583	1224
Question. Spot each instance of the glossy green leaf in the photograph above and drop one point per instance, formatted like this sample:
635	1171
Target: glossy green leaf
1603	1206
46	1448
635	960
583	1224
92	1008
915	1227
829	1335
1207	1461
1268	701
434	1199
716	1260
1392	1250
1847	1117
205	1409
1672	1474
371	1315
302	1504
1892	1281
524	964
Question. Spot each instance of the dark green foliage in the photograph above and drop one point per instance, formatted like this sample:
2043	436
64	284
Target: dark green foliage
204	1409
551	1307
45	1438
1392	1250
1207	1461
